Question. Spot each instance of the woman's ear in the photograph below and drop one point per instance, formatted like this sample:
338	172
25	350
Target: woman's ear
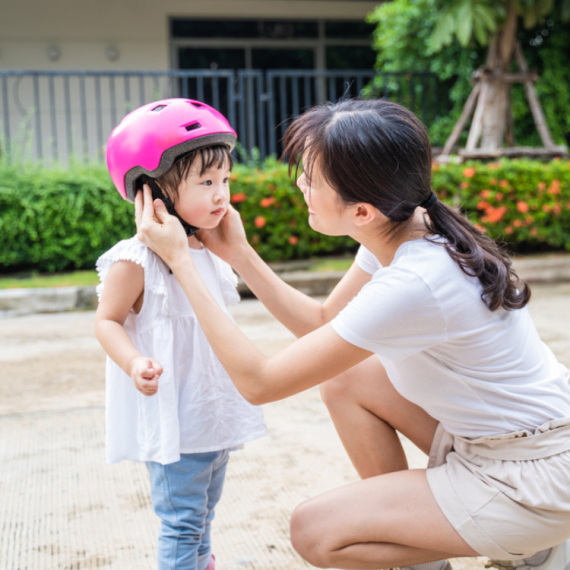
364	213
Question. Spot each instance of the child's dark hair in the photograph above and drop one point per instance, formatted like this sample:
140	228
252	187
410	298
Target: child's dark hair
378	152
215	155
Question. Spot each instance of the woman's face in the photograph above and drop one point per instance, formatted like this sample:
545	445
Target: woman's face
327	213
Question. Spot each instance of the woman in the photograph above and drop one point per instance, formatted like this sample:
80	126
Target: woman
427	334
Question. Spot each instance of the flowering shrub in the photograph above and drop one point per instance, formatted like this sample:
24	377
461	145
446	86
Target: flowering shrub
524	203
54	219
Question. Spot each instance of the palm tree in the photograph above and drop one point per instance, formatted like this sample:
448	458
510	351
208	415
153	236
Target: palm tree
494	23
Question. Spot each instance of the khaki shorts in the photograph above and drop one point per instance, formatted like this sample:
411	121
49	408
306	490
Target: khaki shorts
508	496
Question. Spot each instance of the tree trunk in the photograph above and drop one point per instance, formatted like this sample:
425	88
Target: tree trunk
491	113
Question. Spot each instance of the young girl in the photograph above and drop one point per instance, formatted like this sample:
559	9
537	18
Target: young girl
428	334
169	401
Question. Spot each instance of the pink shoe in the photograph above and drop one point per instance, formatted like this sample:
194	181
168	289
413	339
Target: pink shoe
212	565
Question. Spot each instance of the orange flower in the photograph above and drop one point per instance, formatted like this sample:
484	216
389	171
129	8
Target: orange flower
522	207
554	187
528	220
481	228
508	230
504	183
293	240
266	202
494	215
485	193
493	181
482	205
493	165
469	172
464	185
499	196
568	206
255	239
237	198
497	214
557	208
541	186
533	232
260	221
518	223
546	208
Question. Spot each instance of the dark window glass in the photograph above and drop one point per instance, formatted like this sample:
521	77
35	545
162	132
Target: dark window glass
211	58
283	58
348	30
350	57
273	29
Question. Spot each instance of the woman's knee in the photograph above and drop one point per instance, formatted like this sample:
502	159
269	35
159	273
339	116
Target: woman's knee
307	536
338	389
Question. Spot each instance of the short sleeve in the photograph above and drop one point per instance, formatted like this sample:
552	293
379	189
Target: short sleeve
395	315
366	261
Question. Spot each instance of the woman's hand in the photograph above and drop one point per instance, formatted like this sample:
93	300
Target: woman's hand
157	229
227	238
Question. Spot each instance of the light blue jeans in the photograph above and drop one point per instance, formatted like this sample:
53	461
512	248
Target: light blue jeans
184	495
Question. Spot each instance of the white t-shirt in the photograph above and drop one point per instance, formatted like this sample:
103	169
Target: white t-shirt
197	408
479	372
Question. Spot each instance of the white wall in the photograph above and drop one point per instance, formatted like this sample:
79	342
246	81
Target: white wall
83	29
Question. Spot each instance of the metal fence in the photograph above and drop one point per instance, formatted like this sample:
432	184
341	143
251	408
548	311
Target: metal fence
55	116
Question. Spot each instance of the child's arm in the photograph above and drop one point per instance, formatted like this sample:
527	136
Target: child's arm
124	289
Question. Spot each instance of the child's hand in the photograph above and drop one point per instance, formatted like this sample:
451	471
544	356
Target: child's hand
145	373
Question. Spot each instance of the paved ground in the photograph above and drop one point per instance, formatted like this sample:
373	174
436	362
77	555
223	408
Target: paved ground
63	508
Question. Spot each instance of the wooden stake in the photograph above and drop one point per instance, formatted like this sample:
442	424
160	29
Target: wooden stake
533	101
465	114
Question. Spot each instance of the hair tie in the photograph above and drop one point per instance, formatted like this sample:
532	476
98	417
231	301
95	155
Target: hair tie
429	201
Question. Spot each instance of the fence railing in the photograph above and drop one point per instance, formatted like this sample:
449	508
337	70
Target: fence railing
54	116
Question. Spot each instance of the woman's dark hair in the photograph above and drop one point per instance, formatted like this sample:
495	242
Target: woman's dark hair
214	155
378	152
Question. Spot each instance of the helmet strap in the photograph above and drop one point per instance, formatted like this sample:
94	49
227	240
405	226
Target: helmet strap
158	194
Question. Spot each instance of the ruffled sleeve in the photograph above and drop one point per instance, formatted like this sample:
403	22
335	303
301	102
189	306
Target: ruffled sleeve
133	250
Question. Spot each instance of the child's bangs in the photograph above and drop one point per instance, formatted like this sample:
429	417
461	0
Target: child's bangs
215	156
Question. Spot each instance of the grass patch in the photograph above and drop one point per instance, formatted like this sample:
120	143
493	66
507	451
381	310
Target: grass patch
334	264
34	279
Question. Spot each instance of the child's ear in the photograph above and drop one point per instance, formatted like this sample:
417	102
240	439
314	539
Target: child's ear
364	213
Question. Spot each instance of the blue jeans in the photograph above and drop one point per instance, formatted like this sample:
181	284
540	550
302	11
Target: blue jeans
184	495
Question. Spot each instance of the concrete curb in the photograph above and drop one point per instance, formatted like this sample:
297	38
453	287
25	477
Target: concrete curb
549	268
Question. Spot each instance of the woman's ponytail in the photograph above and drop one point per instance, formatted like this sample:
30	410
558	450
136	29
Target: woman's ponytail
478	256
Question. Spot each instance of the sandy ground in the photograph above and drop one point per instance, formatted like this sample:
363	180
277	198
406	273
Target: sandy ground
62	507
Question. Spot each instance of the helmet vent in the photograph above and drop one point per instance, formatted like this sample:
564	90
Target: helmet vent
193	126
158	109
199	105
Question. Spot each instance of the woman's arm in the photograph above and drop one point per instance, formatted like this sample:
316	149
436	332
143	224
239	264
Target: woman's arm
300	313
318	356
114	307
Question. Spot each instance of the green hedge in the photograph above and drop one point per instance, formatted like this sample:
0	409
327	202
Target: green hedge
55	219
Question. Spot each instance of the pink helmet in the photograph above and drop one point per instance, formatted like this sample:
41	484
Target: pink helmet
149	139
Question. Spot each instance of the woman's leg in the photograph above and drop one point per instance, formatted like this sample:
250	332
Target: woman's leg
367	411
381	522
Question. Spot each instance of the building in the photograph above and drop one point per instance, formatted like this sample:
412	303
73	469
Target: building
55	114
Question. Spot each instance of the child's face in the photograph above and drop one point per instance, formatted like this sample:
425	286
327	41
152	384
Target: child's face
203	199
